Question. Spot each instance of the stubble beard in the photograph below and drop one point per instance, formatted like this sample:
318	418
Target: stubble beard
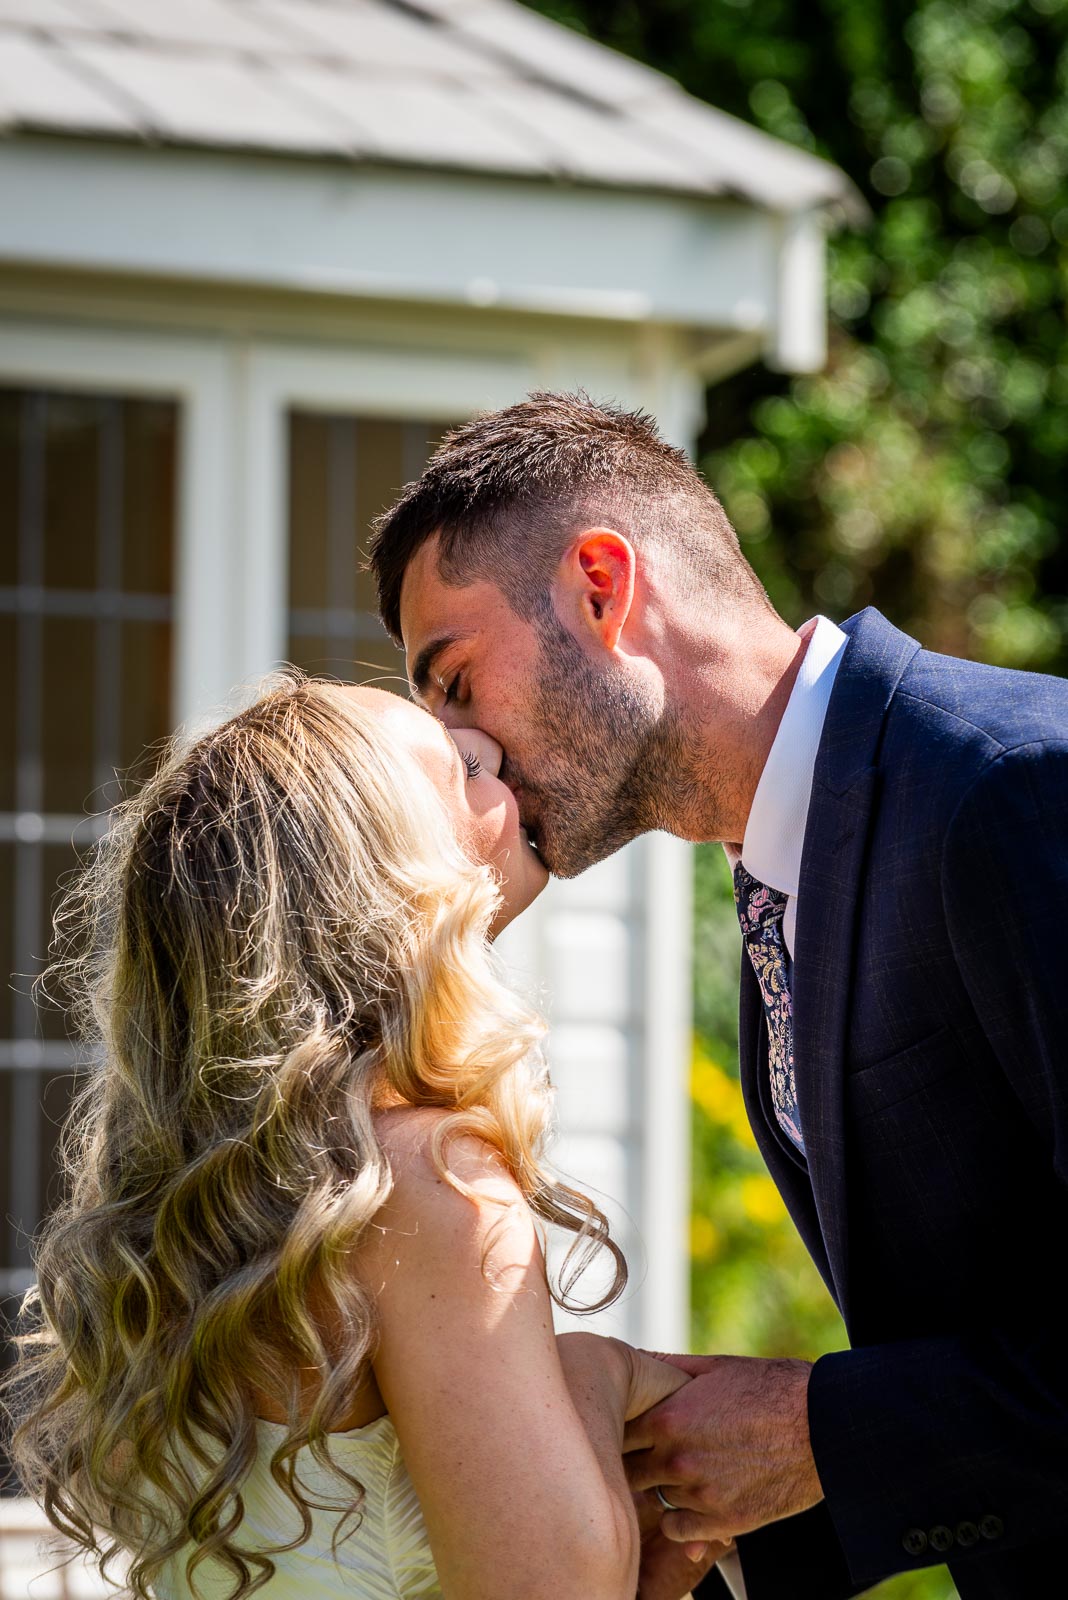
610	765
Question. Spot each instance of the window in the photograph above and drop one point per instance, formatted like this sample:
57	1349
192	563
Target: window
87	528
343	471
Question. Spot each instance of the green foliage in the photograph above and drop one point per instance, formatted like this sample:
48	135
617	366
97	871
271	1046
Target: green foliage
922	468
920	471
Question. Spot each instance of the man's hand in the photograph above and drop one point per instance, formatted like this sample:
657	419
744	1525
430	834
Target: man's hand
731	1449
667	1570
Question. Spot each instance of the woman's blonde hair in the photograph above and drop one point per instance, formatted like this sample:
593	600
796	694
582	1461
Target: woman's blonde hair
278	934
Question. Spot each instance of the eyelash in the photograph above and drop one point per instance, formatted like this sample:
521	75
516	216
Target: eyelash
472	763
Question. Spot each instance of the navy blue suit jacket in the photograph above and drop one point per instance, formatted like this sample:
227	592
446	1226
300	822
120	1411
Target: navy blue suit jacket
931	1037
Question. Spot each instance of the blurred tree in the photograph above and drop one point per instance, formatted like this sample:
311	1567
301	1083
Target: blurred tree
923	466
921	470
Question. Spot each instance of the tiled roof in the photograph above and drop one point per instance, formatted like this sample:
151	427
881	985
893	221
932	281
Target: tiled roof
476	85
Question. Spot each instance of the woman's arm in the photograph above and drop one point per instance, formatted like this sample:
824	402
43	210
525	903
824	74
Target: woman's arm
519	1476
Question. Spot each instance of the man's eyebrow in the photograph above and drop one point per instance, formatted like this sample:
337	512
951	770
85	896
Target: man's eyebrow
421	674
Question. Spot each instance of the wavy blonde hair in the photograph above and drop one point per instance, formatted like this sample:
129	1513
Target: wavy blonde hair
278	933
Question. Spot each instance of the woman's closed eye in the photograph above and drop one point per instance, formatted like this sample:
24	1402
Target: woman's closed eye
472	763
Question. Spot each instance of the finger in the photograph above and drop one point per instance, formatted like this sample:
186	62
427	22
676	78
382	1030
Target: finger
638	1433
648	1510
667	1572
695	1366
692	1527
644	1470
641	1433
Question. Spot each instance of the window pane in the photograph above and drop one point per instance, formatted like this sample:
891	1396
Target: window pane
312	653
309	441
26	938
72	490
344	471
385	462
8	704
10	402
5	1172
57	863
68	682
6	1241
380	664
7	948
24	1120
146	694
57	1090
355	661
149	459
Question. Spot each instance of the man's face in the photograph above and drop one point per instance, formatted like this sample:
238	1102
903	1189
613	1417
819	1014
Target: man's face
581	745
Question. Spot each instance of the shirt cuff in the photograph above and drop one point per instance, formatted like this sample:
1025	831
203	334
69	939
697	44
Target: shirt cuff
730	1567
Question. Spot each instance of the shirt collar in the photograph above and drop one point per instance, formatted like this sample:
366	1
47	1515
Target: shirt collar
775	832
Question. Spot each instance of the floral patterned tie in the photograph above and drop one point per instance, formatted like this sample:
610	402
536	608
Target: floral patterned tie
760	912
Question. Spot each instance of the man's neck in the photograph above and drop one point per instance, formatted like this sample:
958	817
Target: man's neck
730	701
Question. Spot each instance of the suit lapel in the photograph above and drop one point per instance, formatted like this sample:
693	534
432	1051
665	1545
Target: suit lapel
783	1162
828	903
840	816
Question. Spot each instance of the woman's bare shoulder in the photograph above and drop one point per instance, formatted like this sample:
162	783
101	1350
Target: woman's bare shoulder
407	1135
427	1214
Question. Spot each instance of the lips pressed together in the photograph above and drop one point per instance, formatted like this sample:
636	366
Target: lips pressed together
509	776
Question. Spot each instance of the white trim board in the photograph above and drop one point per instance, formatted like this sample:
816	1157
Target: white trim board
392	234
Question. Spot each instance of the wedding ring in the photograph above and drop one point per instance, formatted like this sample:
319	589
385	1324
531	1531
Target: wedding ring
664	1501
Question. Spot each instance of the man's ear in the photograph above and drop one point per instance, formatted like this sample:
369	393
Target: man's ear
596	581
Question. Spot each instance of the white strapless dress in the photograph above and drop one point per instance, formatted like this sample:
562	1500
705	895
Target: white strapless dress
386	1558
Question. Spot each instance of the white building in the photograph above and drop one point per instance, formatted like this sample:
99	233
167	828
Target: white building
254	255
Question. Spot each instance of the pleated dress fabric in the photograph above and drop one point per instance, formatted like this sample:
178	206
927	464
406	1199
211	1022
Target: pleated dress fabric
386	1558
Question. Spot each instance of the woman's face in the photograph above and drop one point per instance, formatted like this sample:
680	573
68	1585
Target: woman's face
463	767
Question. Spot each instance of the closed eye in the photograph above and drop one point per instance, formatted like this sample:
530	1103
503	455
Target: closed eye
472	763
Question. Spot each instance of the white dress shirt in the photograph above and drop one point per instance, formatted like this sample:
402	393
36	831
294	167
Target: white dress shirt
775	833
731	1570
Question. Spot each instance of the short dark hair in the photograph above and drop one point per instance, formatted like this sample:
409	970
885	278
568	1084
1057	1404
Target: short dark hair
506	491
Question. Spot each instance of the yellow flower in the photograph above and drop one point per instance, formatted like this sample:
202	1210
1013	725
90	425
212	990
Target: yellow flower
706	1241
761	1200
720	1097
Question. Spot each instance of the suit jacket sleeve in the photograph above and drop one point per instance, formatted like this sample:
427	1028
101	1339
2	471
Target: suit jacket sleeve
969	1433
